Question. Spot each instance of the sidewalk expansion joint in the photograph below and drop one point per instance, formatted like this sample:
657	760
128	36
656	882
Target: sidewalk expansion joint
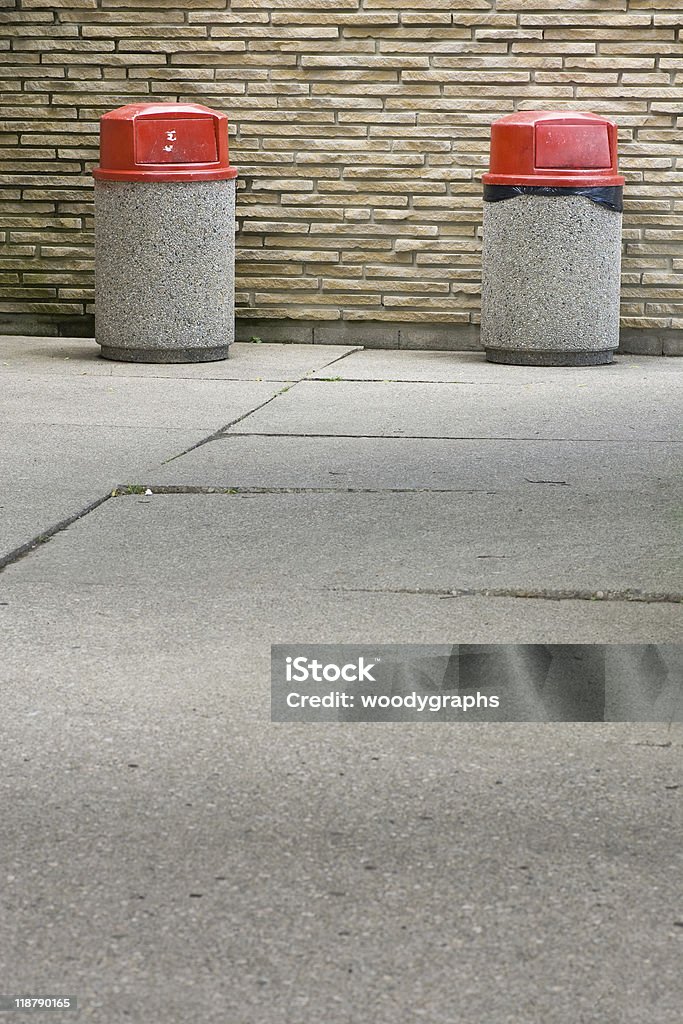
419	380
543	594
221	432
286	434
126	490
46	535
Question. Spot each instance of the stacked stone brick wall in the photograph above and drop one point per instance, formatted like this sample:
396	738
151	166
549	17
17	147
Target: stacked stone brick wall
360	130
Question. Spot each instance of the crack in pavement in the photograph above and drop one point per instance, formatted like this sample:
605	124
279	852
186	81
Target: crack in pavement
544	594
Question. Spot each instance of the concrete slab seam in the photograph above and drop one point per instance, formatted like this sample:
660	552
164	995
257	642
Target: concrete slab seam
221	430
432	380
549	594
46	535
428	437
123	489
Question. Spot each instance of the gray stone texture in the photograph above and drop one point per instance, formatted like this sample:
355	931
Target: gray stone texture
550	278
164	269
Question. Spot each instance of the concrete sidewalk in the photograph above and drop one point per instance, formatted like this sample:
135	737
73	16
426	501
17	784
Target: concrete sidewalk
358	480
172	856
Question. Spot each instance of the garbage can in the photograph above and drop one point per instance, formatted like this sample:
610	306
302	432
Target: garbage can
551	258
164	234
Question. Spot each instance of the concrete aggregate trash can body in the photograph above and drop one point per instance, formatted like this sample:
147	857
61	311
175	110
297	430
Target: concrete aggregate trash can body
551	259
164	235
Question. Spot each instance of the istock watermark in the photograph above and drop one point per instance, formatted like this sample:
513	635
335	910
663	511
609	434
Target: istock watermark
329	683
477	683
301	670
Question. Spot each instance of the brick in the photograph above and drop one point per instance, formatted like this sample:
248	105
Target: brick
643	79
672	18
511	34
641	46
126	17
36	85
579	16
210	48
607	32
182	5
312	5
498	63
360	132
578	77
375	19
27	30
430	5
142	31
47	308
557	47
11	58
25	18
371	61
63	45
563	5
304	255
11	292
72	4
415	316
296	313
425	40
436	74
607	64
412	18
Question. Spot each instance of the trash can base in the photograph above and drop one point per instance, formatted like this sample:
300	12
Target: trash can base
530	358
165	355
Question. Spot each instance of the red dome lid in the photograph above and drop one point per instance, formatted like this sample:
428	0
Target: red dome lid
164	142
553	147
